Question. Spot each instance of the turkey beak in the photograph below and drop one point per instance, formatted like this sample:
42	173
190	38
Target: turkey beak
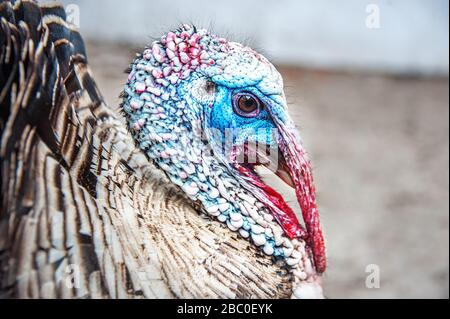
294	168
283	172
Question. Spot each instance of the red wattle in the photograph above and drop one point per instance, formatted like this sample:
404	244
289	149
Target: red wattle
285	216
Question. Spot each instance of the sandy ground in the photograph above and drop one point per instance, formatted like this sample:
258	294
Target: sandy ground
380	149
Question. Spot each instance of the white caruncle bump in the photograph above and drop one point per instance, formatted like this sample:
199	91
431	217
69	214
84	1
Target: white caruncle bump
231	226
184	58
149	80
254	216
194	52
235	217
136	104
288	243
167	70
247	198
168	137
189	168
202	178
260	220
259	240
278	235
204	56
183	175
268	217
139	124
147	54
157	73
173	78
287	251
177	68
216	214
160	58
151	109
165	96
185	74
268	249
191	188
158	101
140	87
163	82
165	167
140	67
228	183
296	243
292	261
302	251
154	90
146	97
207	172
222	190
296	254
237	223
171	45
182	47
149	68
158	53
178	40
212	209
155	137
213	193
222	218
224	207
164	154
170	54
244	233
177	64
256	229
252	211
243	210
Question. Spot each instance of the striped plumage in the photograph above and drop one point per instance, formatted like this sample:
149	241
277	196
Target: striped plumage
79	200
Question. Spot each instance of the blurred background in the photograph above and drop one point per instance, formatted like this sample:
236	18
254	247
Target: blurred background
367	82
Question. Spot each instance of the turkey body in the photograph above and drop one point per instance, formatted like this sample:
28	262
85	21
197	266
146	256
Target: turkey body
83	213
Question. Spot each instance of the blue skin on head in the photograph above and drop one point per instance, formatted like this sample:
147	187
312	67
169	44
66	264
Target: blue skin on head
223	118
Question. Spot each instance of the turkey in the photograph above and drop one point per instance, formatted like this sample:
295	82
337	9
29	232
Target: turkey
165	199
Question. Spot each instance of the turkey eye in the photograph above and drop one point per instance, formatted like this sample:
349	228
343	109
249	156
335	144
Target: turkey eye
246	105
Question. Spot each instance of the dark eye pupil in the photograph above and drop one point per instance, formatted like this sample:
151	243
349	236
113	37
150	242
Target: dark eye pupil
248	104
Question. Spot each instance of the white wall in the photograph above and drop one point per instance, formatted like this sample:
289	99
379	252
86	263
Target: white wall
413	37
